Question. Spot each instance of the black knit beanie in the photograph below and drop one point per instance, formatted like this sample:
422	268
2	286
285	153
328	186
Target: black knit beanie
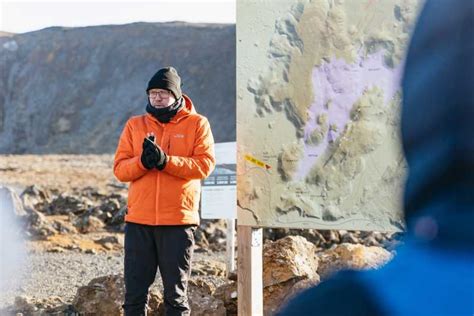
166	78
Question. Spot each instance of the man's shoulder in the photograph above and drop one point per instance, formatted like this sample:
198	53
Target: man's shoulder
198	117
195	119
136	119
202	122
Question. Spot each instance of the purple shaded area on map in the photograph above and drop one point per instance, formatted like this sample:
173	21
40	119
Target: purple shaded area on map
341	85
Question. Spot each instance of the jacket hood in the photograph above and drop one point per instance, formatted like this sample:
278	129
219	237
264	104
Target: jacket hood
437	127
187	109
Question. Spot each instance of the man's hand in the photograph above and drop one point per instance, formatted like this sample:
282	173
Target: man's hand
152	155
149	157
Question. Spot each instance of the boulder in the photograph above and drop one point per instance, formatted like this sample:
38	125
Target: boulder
25	305
201	300
202	244
38	226
209	267
88	224
351	257
312	235
288	258
67	203
290	265
111	239
349	238
111	205
228	294
118	217
105	296
276	296
36	197
63	226
111	242
330	236
215	233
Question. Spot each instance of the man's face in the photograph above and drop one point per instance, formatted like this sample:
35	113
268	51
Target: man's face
160	98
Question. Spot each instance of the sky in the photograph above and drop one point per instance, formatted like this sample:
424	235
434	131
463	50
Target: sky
20	16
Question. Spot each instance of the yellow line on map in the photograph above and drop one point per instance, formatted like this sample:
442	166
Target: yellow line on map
257	162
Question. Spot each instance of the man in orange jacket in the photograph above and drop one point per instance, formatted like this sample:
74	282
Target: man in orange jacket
163	154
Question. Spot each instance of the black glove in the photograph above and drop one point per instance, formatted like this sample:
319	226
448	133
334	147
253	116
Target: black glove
153	155
149	157
161	163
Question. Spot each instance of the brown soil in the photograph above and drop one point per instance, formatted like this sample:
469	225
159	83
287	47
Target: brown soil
60	172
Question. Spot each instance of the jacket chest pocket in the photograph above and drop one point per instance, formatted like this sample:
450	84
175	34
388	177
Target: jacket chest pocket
180	145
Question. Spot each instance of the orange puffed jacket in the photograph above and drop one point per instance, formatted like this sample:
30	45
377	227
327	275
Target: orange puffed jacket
170	196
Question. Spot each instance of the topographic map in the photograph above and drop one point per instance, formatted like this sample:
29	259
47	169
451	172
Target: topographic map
318	109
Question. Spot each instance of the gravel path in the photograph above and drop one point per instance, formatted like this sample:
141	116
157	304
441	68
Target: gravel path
61	274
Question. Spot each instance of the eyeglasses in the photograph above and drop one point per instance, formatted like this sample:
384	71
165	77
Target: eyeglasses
162	94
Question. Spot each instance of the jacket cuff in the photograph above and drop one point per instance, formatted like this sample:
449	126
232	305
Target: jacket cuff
140	165
163	166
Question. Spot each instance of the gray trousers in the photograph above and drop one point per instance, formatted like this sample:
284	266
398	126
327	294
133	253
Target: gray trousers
169	248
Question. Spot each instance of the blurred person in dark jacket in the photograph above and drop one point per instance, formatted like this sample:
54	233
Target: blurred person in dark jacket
433	272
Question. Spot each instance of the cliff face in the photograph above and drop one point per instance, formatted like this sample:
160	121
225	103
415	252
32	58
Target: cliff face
71	90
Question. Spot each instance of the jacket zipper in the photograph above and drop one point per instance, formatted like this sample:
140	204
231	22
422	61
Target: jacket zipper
157	198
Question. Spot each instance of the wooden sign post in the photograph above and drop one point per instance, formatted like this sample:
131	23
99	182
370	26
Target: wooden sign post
249	271
230	246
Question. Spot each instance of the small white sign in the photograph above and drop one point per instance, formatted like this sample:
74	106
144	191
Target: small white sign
219	202
219	193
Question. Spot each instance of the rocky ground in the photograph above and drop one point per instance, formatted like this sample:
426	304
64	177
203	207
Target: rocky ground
69	213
